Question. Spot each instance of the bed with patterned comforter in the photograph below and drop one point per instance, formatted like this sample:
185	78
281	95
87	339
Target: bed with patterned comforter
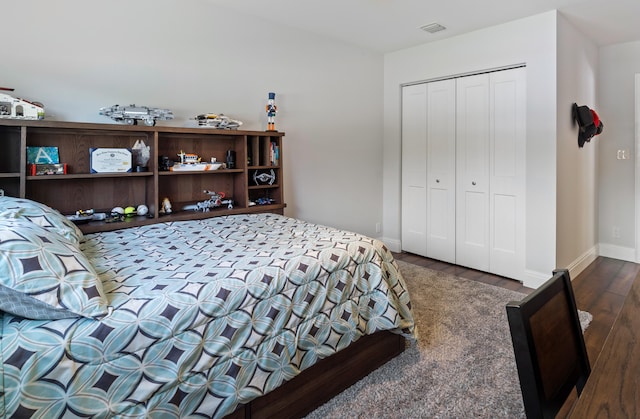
186	318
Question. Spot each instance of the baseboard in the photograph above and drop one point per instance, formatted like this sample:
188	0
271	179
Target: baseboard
582	261
394	245
534	279
617	252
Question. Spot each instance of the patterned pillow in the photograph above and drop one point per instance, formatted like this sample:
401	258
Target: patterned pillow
41	215
44	275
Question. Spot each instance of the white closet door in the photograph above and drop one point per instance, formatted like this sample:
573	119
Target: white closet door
472	172
463	171
441	165
507	177
414	169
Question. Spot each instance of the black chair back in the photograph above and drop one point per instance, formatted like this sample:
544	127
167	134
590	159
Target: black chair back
549	346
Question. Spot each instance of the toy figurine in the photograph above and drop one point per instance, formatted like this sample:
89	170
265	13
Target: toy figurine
165	207
272	109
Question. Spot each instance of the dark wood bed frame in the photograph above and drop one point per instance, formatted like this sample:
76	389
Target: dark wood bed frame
326	379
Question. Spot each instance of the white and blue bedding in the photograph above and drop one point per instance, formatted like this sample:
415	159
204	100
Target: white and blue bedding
183	318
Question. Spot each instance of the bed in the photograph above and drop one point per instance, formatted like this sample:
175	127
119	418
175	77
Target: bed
193	318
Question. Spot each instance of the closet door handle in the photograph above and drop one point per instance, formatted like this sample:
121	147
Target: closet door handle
473	183
437	180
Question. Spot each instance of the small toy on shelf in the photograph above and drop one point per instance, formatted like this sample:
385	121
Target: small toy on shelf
165	163
117	214
264	177
193	163
188	158
272	109
165	206
218	121
84	216
47	169
142	209
216	199
141	155
132	113
123	214
262	201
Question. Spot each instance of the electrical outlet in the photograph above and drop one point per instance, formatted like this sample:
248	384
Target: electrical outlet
623	155
378	228
616	232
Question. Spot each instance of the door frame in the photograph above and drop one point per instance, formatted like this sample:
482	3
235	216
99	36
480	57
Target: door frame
637	162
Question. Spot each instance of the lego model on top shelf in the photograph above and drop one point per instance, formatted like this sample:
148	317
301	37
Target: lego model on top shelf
218	121
146	175
17	108
131	114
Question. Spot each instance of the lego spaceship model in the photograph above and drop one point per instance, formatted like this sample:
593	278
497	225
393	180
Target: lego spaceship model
131	114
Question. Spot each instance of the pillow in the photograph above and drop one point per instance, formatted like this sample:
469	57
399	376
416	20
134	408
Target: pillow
44	275
41	215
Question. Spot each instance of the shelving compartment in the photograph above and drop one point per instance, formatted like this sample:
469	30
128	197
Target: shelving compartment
74	144
10	160
264	174
68	193
263	150
81	189
185	188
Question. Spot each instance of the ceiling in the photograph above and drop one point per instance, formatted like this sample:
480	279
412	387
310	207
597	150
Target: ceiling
390	25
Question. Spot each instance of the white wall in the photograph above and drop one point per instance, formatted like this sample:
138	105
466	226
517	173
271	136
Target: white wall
76	56
531	41
618	66
577	167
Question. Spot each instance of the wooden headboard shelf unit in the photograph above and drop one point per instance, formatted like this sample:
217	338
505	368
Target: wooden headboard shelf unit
81	189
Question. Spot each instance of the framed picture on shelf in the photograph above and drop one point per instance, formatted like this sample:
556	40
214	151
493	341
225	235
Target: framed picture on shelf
43	155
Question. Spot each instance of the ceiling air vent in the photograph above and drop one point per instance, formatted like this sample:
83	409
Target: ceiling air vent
433	27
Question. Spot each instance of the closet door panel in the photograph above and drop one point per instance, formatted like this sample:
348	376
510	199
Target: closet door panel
507	162
441	164
472	171
463	171
414	169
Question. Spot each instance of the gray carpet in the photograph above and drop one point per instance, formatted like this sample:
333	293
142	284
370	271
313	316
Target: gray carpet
461	366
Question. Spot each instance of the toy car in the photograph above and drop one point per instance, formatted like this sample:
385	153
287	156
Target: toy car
131	114
16	108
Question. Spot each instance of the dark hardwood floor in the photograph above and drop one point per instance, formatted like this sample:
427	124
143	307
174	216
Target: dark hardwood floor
600	289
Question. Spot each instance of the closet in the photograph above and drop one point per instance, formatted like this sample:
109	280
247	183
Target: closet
463	171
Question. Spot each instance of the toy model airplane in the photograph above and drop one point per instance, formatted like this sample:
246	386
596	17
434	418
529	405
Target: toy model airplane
132	113
16	108
219	121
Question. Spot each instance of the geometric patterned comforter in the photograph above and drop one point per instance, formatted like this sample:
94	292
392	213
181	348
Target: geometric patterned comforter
206	315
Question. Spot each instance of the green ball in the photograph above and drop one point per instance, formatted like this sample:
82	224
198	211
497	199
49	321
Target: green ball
129	211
